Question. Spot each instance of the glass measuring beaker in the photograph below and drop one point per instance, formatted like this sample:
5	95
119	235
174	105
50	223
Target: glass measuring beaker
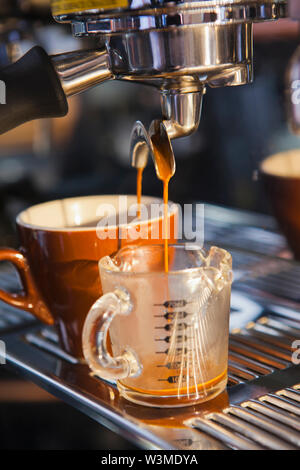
169	331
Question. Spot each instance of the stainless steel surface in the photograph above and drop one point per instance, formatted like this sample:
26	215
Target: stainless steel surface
181	105
181	108
261	406
217	55
140	145
207	51
33	355
254	425
81	70
192	12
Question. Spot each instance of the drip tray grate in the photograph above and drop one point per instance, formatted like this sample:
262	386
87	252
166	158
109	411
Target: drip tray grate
262	347
259	410
269	422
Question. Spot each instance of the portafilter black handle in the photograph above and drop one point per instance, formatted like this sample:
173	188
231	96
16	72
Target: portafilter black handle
30	89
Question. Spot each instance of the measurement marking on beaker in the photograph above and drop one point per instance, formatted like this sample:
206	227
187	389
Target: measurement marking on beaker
171	315
174	379
176	352
173	304
177	339
174	365
170	326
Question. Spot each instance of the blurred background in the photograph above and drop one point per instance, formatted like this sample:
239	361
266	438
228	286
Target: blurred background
87	152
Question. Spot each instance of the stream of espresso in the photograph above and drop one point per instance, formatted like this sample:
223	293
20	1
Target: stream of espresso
166	178
139	180
165	216
165	173
166	234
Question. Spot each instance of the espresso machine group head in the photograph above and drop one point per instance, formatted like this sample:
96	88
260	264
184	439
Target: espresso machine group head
179	47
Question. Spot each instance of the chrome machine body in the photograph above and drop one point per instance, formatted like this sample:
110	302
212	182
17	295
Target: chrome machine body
178	47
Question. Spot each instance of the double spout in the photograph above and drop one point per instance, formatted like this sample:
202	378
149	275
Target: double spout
181	106
155	143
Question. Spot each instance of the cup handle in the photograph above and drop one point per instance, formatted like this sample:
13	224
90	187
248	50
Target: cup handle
94	338
29	299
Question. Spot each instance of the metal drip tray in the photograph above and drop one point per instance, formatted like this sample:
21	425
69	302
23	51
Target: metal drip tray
260	408
269	422
260	366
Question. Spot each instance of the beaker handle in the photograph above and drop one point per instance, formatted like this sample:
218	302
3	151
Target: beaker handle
94	338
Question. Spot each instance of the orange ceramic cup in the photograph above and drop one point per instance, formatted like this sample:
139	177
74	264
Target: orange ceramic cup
61	246
281	176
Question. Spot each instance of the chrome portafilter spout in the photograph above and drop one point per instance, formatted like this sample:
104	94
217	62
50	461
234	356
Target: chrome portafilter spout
80	70
154	143
181	105
140	146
